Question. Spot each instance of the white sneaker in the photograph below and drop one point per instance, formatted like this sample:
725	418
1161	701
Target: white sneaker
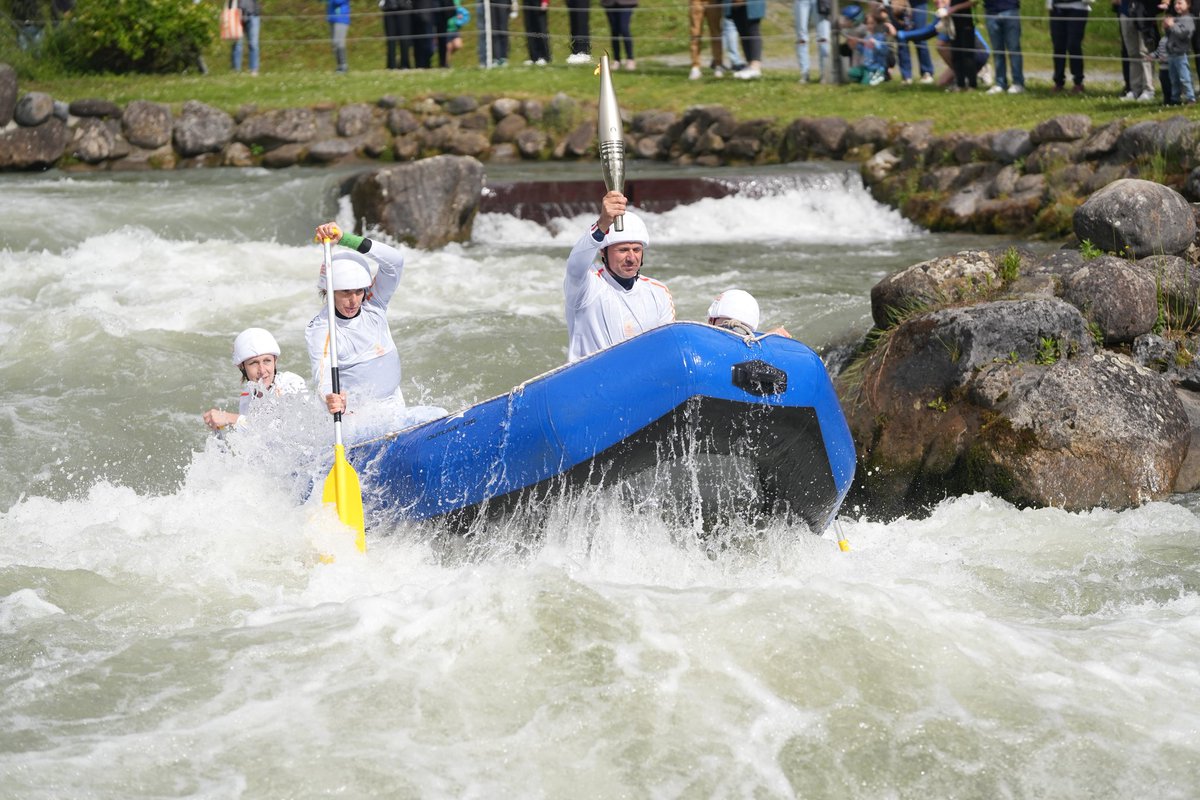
926	78
541	62
579	58
749	73
1146	96
997	89
876	79
1129	96
718	72
694	75
1016	88
985	75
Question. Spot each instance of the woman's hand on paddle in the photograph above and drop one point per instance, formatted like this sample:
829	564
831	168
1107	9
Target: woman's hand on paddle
330	231
336	403
216	419
611	207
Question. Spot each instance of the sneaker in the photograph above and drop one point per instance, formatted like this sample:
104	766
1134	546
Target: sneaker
1128	96
718	71
927	78
1146	96
1016	88
694	75
876	79
579	58
985	75
1077	89
630	64
749	73
997	89
737	67
906	81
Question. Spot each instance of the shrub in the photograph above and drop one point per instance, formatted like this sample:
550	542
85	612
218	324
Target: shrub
116	36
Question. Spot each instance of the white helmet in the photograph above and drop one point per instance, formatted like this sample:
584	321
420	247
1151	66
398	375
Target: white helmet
253	342
737	305
350	271
635	231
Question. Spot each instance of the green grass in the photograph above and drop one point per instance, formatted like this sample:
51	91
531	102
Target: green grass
297	71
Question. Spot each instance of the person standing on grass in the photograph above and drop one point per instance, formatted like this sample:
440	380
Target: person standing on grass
1068	21
1003	21
251	24
338	15
703	13
1140	36
620	25
748	15
1176	49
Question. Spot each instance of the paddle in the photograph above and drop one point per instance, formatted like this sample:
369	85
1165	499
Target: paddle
341	485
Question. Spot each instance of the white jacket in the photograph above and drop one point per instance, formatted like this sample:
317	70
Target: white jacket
253	399
368	364
600	311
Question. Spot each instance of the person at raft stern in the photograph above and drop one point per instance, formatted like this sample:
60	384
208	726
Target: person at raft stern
737	310
256	354
368	364
608	304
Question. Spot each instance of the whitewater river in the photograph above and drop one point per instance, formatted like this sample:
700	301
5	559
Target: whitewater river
167	632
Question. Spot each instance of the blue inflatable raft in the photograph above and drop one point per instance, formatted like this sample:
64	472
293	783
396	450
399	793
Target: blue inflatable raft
685	398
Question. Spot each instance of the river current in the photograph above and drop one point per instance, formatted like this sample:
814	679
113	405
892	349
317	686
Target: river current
166	630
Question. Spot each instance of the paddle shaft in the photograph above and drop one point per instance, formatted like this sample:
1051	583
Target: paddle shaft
334	377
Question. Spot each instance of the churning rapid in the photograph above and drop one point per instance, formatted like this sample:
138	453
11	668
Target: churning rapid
167	631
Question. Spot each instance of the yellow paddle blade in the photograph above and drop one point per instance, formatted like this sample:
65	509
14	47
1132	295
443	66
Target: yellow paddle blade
342	489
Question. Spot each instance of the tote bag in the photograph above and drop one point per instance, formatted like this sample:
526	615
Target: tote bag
231	20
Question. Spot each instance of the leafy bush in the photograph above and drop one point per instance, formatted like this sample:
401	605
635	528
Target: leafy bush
134	36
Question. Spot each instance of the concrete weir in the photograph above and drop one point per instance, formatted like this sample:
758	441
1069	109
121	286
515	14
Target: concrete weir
544	200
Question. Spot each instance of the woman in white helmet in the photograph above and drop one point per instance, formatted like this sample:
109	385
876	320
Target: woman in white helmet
368	364
611	302
256	354
737	310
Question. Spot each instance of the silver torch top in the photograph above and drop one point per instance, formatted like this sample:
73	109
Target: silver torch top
612	140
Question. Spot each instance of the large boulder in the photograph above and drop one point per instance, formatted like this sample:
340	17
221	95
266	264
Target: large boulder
202	129
279	127
33	109
1119	296
146	125
95	140
34	148
1136	218
1010	397
964	275
426	204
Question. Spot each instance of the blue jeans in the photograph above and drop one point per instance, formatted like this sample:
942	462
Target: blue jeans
802	12
731	43
1181	78
1004	30
250	27
920	18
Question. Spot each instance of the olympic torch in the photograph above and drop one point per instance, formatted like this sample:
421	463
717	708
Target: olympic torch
612	141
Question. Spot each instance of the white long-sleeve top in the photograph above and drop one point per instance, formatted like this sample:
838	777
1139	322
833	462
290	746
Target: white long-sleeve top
368	364
600	311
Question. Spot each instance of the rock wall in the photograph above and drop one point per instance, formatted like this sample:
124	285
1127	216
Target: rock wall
1015	181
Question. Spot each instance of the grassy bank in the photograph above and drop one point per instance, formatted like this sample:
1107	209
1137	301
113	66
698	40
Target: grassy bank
297	71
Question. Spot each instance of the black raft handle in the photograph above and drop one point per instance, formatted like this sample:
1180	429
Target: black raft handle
759	377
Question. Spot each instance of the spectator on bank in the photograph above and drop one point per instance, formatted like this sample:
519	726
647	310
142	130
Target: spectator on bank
338	15
1139	34
579	20
493	15
807	14
912	15
251	24
748	16
537	32
398	31
700	14
1175	48
872	48
1003	21
1068	20
620	25
963	50
27	15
